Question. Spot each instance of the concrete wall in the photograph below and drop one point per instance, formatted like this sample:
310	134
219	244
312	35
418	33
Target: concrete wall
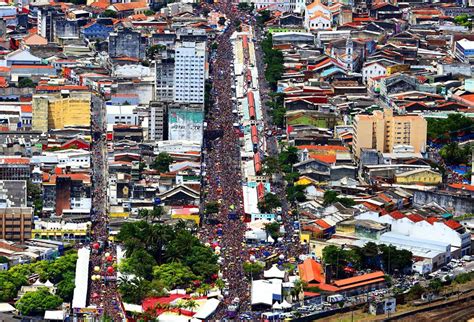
457	205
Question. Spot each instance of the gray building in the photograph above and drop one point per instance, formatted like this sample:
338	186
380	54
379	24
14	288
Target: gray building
13	193
66	29
164	71
47	17
127	43
158	121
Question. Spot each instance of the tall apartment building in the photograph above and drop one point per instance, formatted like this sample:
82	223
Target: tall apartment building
15	223
158	121
164	83
189	72
47	17
59	110
383	130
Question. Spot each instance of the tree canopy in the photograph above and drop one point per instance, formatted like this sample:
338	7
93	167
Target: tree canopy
273	58
37	302
162	256
26	82
444	129
162	162
270	201
60	271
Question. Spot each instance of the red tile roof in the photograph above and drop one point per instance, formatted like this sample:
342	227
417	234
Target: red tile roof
415	217
432	220
453	224
396	215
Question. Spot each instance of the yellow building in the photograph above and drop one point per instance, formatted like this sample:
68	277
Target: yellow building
383	130
59	110
419	176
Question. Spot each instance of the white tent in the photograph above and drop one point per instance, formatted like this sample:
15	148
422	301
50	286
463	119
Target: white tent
285	305
56	315
207	309
133	307
274	272
265	291
5	307
277	306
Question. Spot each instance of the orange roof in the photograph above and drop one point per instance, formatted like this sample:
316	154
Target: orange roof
468	97
84	177
32	66
378	280
3	82
4	69
368	278
101	4
453	224
323	224
323	147
462	186
311	271
129	6
15	161
26	108
330	158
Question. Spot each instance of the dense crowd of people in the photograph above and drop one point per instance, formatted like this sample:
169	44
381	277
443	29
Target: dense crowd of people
102	290
223	180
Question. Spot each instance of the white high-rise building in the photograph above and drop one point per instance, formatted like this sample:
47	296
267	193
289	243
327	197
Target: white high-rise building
189	72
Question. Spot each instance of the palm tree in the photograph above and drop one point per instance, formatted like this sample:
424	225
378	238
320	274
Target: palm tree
220	284
191	305
206	288
179	305
298	287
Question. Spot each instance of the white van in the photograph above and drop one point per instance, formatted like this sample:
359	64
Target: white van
335	298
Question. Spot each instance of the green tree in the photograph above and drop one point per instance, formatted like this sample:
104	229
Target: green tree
271	165
134	290
35	303
162	162
153	50
26	82
140	263
415	292
263	16
174	275
273	58
65	288
3	260
151	215
452	153
149	12
202	261
191	305
443	129
295	193
212	207
273	229
394	259
253	269
435	285
109	14
270	201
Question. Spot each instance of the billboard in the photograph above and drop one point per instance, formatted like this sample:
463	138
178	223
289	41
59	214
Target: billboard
185	125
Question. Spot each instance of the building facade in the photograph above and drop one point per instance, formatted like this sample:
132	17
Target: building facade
383	131
16	223
190	72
